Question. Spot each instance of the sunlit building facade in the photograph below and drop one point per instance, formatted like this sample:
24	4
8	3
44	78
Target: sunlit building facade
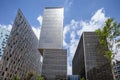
21	53
51	36
51	44
4	35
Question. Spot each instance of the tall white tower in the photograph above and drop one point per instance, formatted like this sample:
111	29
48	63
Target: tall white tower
51	36
51	44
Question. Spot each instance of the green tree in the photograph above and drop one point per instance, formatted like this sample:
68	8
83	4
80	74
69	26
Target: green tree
82	78
39	77
16	78
29	75
108	38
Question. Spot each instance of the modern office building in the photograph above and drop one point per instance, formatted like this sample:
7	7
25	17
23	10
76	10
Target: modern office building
51	44
4	35
88	62
52	29
21	53
116	70
54	64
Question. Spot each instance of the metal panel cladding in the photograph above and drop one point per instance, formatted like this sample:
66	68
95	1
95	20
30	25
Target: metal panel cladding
52	29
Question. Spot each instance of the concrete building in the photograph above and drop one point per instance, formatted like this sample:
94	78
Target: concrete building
4	35
21	54
116	70
50	45
88	62
54	63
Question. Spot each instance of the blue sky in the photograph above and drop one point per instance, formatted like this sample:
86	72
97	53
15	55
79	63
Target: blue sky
79	16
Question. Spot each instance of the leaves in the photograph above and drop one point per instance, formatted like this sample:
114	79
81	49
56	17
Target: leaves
29	75
16	78
108	37
82	78
39	77
108	54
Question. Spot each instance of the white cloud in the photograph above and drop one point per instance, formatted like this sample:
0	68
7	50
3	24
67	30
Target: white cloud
96	21
65	31
64	43
40	18
68	4
73	31
8	27
37	31
99	16
69	70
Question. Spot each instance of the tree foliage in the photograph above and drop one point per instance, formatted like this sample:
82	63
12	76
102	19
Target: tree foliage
39	77
109	38
82	78
29	75
16	78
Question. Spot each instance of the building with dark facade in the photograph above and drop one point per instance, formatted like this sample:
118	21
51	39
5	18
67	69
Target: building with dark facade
54	63
21	53
88	62
116	70
4	35
51	44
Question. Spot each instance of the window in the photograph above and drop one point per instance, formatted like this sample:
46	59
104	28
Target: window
7	59
3	74
10	55
6	69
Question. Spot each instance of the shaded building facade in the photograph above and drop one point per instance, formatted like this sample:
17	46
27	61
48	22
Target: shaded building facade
116	70
54	64
88	62
21	54
51	44
4	35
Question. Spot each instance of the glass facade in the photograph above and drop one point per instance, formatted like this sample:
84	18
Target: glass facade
4	35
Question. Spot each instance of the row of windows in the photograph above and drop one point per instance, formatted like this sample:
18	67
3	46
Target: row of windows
21	53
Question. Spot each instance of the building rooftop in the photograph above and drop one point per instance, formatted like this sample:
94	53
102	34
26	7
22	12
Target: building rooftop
52	7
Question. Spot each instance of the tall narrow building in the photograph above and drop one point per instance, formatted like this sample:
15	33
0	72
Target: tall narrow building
50	45
52	29
21	53
88	62
4	35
